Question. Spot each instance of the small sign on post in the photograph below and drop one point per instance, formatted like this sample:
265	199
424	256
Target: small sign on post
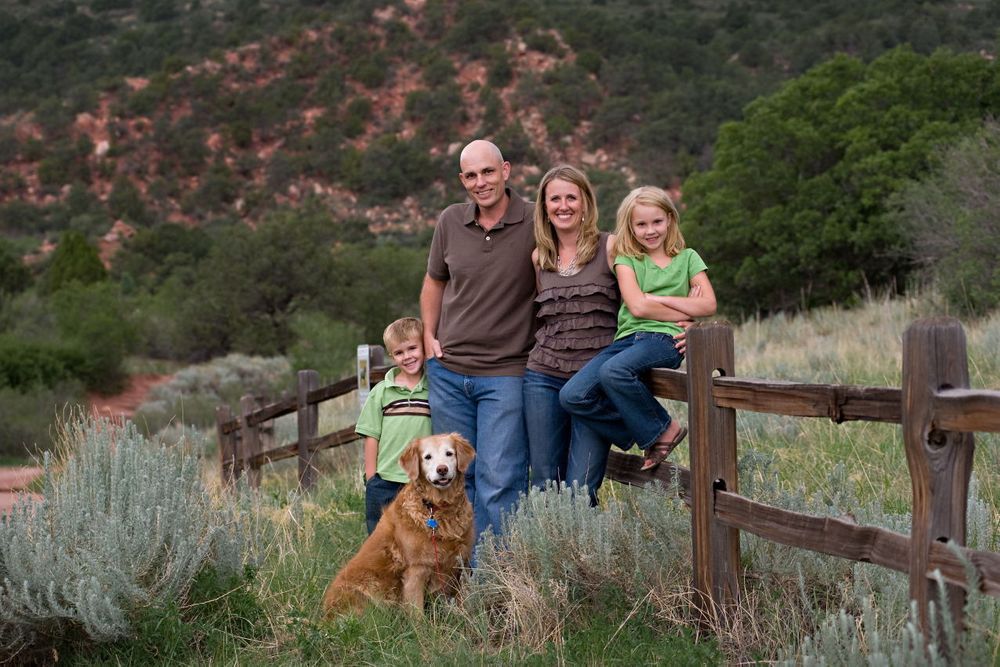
369	356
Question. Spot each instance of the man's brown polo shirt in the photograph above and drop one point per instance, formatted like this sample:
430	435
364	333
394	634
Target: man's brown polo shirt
487	319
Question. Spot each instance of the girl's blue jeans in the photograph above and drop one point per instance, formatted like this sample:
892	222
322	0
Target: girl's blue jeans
610	389
561	449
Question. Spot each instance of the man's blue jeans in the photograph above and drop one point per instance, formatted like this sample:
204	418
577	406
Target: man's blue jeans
488	412
610	389
561	448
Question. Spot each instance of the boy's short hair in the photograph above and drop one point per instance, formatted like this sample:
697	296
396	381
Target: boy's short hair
401	330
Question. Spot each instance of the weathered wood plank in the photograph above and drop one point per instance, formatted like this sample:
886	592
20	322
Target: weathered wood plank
342	437
338	388
669	383
249	445
971	410
307	421
712	438
940	462
624	468
837	402
844	538
226	444
273	411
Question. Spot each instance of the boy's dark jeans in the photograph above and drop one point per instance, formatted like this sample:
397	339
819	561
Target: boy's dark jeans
378	493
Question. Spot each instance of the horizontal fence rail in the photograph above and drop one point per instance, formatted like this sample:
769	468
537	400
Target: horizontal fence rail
935	407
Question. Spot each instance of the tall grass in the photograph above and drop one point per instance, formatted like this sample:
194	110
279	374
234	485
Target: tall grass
570	584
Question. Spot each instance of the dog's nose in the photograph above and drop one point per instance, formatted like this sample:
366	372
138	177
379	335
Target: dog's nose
442	470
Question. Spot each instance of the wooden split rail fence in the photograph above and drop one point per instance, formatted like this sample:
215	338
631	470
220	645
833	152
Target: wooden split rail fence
935	406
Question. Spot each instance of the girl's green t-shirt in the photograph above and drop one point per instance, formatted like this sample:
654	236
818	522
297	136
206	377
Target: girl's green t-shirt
674	280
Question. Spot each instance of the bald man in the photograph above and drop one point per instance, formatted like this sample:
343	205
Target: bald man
477	307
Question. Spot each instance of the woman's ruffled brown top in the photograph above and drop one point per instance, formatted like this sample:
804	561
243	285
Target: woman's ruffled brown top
577	316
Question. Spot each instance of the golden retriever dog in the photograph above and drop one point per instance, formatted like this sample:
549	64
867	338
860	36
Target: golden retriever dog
425	535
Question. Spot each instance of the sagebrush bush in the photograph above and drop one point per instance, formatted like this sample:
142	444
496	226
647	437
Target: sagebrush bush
191	396
559	558
123	526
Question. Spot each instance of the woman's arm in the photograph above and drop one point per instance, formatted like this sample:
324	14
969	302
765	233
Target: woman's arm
695	304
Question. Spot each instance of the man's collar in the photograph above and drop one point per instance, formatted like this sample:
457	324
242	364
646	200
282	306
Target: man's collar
516	210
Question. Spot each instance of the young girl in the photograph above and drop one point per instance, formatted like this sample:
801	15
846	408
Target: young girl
661	283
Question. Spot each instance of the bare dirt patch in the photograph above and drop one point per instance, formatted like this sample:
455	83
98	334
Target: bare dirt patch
12	483
125	403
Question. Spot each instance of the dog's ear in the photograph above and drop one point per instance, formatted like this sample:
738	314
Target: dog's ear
463	450
410	459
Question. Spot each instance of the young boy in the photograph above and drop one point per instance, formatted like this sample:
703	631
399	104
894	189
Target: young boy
395	413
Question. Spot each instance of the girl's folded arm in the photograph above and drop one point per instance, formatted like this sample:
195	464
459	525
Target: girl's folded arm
699	304
639	304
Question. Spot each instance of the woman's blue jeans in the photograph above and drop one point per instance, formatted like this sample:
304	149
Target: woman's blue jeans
560	448
610	389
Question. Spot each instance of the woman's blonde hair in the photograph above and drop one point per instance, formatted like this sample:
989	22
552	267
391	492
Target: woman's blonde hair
545	239
627	244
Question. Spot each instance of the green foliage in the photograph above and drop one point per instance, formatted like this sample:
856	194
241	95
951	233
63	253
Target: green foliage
378	285
65	163
439	111
125	527
94	320
73	261
324	344
252	282
14	275
794	212
392	168
154	255
27	365
356	116
125	202
27	413
950	217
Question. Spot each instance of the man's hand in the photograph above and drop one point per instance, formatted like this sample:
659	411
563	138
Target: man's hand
432	348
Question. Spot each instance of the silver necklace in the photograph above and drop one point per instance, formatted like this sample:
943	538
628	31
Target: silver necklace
568	270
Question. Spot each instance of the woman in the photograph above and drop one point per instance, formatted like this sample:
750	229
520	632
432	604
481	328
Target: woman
578	304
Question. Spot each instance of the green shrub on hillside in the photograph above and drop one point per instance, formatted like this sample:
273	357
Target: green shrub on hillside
325	345
124	527
73	261
795	212
951	219
14	275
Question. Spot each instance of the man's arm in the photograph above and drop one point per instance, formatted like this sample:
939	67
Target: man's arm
431	298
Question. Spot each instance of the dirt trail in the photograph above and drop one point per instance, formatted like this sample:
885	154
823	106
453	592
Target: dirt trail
14	480
125	403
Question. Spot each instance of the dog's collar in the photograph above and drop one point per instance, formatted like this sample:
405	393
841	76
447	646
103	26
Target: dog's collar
431	521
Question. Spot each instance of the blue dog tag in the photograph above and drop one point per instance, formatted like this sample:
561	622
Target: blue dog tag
432	523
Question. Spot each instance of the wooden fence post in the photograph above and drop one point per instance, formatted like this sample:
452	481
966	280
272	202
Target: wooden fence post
716	548
308	423
227	449
249	443
940	462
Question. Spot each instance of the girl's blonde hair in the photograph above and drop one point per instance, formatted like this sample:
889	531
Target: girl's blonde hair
627	244
545	238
